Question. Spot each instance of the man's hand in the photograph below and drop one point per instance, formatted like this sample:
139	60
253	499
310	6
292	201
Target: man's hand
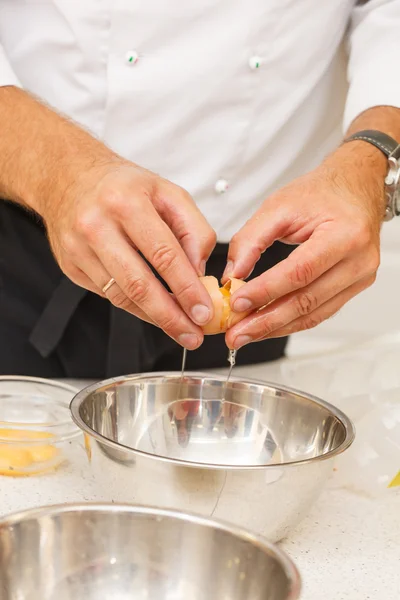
113	212
102	212
334	213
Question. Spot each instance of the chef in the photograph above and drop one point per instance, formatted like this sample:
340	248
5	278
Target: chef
146	143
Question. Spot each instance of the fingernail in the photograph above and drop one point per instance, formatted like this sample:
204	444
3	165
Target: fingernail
242	340
228	269
241	305
202	268
200	314
189	340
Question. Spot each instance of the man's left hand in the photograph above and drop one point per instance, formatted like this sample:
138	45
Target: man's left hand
334	215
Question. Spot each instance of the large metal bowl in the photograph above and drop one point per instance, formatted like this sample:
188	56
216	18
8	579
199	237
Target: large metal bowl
250	452
115	552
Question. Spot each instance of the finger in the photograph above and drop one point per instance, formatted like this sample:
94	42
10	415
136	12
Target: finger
266	226
325	311
161	248
301	302
304	265
116	296
190	227
140	287
93	276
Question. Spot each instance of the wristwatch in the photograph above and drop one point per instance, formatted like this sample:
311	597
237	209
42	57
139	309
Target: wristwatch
391	149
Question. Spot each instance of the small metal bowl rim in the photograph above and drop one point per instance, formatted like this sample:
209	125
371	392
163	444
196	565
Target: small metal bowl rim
289	567
48	426
80	396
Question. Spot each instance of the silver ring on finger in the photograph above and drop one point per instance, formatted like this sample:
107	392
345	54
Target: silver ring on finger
108	285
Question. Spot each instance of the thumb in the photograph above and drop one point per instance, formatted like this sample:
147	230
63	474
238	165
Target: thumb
267	225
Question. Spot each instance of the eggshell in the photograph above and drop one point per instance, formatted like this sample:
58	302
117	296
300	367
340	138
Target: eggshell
223	317
212	287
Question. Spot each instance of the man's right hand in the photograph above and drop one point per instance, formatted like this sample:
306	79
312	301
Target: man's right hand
113	212
102	211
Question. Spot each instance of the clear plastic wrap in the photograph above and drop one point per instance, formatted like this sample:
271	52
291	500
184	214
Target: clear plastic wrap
364	382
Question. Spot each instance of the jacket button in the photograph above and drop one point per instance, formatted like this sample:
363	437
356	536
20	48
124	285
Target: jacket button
254	62
131	57
221	186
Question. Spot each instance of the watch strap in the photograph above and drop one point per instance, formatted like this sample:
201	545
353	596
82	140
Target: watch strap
380	140
391	149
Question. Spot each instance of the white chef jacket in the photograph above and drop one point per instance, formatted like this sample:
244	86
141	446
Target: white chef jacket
228	98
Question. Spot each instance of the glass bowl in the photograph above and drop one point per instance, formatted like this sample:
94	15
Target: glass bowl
35	425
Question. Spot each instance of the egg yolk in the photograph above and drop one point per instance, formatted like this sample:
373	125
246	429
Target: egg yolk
18	459
226	309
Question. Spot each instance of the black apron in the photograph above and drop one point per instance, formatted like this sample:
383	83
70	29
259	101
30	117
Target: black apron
49	327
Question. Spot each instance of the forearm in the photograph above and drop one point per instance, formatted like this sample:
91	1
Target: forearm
41	153
381	118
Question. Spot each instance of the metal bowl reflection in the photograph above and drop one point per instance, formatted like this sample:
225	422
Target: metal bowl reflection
90	552
251	452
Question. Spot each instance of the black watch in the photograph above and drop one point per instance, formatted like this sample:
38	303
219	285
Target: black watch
391	149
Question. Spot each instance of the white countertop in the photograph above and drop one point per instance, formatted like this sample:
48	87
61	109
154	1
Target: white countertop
347	548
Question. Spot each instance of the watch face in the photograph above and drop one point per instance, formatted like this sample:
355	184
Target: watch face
392	190
396	202
396	181
396	191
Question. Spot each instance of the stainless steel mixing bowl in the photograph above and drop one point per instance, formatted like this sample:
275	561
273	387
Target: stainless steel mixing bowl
115	552
250	452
